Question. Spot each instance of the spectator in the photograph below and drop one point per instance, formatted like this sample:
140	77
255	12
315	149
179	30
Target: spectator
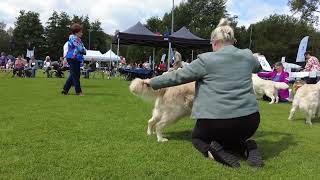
56	65
47	66
92	67
32	67
312	65
19	66
9	64
65	65
162	68
278	75
147	65
3	60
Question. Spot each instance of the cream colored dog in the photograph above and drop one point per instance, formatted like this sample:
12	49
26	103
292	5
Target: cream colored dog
266	87
307	99
171	104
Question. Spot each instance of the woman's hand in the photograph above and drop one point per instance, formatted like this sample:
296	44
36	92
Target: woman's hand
147	82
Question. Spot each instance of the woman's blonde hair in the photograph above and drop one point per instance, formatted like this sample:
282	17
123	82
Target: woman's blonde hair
224	32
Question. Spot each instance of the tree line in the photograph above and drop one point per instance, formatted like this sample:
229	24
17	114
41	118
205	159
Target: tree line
274	36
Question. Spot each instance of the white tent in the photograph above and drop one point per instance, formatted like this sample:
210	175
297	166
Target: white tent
111	56
96	55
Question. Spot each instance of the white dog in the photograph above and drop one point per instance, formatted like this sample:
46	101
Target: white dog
266	87
171	104
307	99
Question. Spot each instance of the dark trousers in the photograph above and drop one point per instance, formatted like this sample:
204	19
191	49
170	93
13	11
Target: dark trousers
74	77
47	70
19	70
230	133
87	74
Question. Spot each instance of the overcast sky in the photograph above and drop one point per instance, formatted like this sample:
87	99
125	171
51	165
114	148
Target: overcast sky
121	14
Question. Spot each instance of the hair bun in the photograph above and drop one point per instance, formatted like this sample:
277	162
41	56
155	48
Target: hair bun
224	22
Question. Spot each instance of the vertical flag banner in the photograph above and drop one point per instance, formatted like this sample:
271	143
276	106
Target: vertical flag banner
302	49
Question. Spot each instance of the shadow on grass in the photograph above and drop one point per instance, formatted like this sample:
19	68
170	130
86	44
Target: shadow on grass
272	148
101	94
303	120
269	148
180	136
92	86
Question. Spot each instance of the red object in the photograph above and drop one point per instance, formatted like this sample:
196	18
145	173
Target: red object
162	67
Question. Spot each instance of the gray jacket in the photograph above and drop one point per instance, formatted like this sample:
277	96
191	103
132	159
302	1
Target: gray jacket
223	83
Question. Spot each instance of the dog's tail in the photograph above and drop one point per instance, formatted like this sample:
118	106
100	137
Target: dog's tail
280	85
138	88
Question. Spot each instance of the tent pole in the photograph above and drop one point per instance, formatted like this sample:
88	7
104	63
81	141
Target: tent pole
110	62
118	48
169	56
192	56
153	60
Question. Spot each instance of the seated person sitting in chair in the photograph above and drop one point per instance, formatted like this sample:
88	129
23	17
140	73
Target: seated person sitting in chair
3	60
47	66
57	67
65	65
19	66
91	68
278	75
32	68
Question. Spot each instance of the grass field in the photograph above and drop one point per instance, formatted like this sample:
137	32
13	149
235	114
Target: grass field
44	135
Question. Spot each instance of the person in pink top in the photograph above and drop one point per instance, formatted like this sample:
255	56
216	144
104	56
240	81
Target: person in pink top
313	65
278	75
19	66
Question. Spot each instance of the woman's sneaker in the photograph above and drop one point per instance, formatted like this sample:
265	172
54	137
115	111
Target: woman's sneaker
254	156
64	93
80	94
218	153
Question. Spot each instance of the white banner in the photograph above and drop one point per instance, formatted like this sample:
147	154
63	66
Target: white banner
264	63
302	49
163	58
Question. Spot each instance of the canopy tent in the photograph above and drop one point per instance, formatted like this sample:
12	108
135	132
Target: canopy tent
184	38
96	55
142	36
139	35
111	56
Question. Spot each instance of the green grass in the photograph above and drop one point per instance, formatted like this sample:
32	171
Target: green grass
44	135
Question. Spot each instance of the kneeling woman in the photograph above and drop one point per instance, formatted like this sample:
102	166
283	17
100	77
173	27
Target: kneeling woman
225	105
278	75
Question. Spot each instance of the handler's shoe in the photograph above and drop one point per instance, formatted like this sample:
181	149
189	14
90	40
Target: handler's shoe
253	154
80	94
64	93
217	151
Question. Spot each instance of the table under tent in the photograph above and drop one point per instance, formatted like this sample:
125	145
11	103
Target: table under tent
139	35
104	62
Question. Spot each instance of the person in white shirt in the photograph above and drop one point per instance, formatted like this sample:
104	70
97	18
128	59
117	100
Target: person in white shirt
47	66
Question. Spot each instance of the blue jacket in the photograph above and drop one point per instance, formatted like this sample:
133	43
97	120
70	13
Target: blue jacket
76	49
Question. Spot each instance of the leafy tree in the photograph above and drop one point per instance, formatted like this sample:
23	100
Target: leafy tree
28	29
99	39
4	38
307	9
280	35
56	33
154	24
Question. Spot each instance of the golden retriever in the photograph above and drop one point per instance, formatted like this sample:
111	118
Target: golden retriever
307	99
171	104
266	87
